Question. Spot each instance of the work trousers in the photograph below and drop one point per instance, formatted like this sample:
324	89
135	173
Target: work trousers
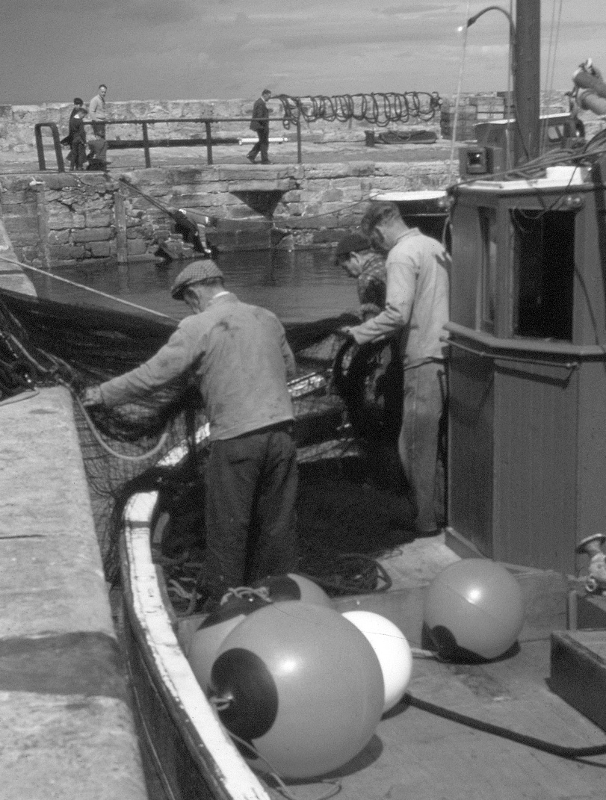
250	515
418	444
262	146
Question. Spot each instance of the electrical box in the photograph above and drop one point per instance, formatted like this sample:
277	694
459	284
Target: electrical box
481	160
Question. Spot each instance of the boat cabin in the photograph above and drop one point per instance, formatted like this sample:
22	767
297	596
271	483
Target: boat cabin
527	450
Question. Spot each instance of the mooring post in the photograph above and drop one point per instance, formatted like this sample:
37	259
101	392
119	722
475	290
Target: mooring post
42	218
120	223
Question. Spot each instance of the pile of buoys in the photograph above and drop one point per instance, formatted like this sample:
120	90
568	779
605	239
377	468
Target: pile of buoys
302	687
302	684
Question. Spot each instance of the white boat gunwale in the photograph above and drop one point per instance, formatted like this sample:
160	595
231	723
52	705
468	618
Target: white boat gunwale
223	768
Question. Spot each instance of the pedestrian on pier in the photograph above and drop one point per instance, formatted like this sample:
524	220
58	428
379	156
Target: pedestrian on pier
98	114
260	124
77	139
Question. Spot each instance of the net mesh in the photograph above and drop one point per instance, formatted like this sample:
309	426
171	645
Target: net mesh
342	508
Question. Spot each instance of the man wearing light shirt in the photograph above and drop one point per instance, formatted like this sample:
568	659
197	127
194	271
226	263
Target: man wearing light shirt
98	115
416	311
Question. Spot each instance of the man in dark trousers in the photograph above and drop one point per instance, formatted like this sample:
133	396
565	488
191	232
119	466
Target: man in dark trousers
239	357
260	124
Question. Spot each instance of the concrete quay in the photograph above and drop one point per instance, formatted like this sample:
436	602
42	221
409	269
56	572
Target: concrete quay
66	729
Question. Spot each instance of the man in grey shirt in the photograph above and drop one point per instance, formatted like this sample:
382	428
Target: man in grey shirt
240	359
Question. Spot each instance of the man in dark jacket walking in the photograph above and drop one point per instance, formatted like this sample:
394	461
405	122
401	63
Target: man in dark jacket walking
260	124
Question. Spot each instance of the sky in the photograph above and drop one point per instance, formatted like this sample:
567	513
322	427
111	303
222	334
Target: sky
53	50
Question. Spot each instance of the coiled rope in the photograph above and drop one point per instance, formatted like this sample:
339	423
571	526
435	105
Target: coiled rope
380	108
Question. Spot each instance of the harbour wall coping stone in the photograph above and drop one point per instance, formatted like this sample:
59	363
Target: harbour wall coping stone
66	727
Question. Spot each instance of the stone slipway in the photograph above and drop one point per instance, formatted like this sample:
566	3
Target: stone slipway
66	730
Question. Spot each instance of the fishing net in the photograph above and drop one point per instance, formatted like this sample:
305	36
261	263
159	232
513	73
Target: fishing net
46	343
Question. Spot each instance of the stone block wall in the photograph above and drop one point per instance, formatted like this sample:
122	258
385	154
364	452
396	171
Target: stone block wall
472	109
64	218
17	122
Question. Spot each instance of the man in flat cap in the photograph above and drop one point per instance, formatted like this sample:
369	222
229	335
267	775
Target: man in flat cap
356	256
416	310
240	359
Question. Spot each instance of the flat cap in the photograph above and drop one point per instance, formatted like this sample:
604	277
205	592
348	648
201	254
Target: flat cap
352	243
196	272
377	211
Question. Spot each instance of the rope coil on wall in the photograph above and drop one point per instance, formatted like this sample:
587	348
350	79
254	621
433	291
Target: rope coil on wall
379	108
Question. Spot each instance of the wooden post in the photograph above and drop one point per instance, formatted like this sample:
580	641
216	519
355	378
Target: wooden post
527	87
299	150
120	222
42	216
209	144
146	145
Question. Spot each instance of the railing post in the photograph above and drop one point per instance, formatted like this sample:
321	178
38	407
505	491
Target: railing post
146	144
40	145
209	143
299	148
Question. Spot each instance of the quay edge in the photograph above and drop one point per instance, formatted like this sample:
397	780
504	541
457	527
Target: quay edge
67	729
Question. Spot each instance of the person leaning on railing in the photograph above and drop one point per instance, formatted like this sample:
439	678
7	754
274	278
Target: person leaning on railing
98	115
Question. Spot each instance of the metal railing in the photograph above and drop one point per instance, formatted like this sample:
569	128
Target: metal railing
146	143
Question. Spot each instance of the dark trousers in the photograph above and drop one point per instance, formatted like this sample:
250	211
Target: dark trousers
77	155
99	129
250	516
262	146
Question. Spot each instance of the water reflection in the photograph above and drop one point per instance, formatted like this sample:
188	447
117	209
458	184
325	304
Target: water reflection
298	286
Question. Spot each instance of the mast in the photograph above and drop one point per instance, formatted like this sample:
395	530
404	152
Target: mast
527	81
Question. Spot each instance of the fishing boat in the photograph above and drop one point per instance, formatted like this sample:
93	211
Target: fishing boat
427	744
527	396
526	461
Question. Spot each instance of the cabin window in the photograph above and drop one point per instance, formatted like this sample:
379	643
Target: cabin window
488	289
543	271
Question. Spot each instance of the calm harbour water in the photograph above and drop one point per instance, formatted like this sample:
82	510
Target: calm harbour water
297	286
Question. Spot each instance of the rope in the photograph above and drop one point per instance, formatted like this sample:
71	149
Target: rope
571	753
156	449
148	197
376	108
86	288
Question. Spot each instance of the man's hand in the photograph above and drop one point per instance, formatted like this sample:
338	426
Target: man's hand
92	396
346	331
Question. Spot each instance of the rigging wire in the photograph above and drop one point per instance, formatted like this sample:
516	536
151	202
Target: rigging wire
455	121
554	34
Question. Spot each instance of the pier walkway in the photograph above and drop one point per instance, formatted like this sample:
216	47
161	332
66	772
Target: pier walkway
66	729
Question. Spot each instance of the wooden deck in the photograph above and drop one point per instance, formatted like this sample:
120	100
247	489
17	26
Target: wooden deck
415	754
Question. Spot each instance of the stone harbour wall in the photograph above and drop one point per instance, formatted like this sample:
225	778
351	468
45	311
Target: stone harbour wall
55	219
17	121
